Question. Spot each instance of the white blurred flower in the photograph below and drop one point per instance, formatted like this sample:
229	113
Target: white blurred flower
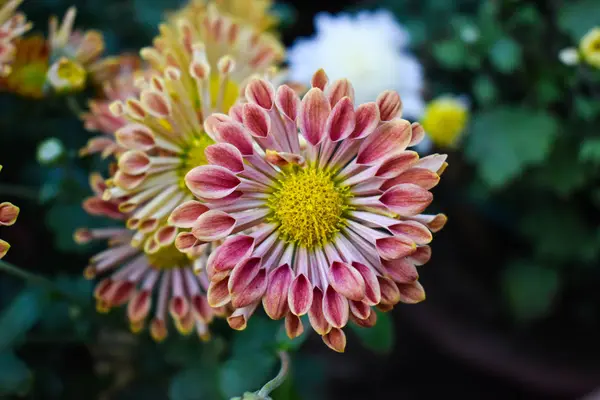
569	56
49	151
370	49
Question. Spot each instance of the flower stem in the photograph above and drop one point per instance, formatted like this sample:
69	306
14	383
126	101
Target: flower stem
37	280
279	379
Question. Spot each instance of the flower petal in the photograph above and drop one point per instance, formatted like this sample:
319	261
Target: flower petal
231	252
390	295
211	181
406	199
275	300
261	93
301	295
135	137
338	90
419	176
335	308
225	155
287	102
319	79
367	119
397	164
414	230
372	290
256	120
341	121
251	293
411	293
335	340
314	112
134	162
243	274
218	294
346	280
390	105
395	247
293	326
388	140
401	270
234	134
213	225
186	214
418	133
315	313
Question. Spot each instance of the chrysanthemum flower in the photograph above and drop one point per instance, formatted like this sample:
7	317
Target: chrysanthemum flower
12	26
75	55
29	68
445	120
203	65
8	216
101	119
162	279
334	214
370	49
253	12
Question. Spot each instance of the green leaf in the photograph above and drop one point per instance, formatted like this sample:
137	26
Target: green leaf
561	173
15	377
379	338
246	374
530	289
505	55
578	17
450	53
587	108
195	383
21	315
504	141
590	150
484	90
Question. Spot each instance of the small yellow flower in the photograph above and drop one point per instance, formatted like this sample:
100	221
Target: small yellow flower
67	75
589	47
445	120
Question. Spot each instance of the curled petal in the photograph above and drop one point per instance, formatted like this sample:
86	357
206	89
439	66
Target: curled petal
179	307
158	330
411	293
186	214
287	102
390	105
368	322
134	162
231	252
238	320
434	162
397	165
347	281
120	293
301	295
314	111
275	300
235	134
139	306
335	340
251	293
338	90
260	92
315	313
390	295
418	176
435	223
293	326
335	308
156	104
359	309
401	271
341	121
213	225
201	309
282	159
135	137
127	181
165	235
406	199
4	247
225	155
218	293
319	79
395	247
211	181
256	120
414	230
185	241
372	291
418	133
388	140
243	274
421	256
367	119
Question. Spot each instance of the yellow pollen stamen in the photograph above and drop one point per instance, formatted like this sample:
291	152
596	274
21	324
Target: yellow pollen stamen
309	206
167	257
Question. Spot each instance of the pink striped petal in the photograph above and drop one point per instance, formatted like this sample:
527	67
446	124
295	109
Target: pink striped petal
388	140
293	326
421	256
287	102
261	93
185	241
397	164
156	104
213	225
134	162
419	176
138	307
282	159
367	119
335	340
275	300
406	199
201	309
390	295
401	270
433	162
235	134
435	223
215	119
218	294
359	309
231	252
338	90
186	214
236	113
211	181
128	182
418	133
314	112
335	308
346	280
251	293
179	307
225	155
395	247
315	313
411	293
301	295
165	235
414	230
243	274
368	322
256	120
372	291
341	121
390	105
135	137
319	79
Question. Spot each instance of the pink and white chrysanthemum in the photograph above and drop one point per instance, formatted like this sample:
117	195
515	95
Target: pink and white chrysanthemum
12	26
329	221
163	280
8	216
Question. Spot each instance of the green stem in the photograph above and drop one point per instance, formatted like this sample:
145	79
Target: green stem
37	280
74	106
279	379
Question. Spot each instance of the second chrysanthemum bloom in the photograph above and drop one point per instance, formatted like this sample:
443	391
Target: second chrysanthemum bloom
330	220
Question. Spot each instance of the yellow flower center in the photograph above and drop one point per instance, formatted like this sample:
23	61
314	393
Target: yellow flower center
193	156
72	74
167	257
309	206
444	121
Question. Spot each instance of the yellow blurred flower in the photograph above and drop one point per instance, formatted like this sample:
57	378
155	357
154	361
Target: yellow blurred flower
28	69
589	47
445	120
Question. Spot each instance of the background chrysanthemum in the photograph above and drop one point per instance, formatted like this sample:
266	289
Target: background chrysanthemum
370	49
202	63
336	212
8	216
29	68
161	279
12	26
